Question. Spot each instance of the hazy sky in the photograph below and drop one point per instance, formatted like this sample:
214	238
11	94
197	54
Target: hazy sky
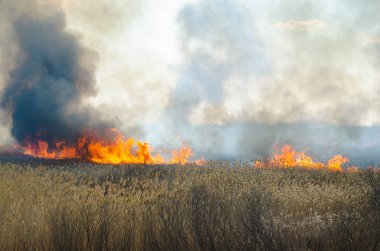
269	61
211	66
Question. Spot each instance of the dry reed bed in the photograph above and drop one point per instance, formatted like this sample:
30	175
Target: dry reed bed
219	206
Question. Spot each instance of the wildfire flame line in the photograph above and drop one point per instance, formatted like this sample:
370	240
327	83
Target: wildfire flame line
112	149
287	157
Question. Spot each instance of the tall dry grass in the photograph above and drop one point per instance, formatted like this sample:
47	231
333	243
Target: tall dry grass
219	206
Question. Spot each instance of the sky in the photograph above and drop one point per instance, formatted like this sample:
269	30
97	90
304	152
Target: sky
231	78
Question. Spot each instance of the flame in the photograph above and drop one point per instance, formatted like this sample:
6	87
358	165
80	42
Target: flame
181	156
335	164
200	162
111	148
287	157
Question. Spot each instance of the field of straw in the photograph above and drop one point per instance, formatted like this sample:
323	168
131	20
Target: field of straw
218	206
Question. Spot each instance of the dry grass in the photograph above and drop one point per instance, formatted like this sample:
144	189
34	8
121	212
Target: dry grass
220	206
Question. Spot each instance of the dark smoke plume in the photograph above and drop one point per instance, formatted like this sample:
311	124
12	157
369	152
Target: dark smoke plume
45	90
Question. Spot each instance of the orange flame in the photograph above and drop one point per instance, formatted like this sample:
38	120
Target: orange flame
181	155
112	149
289	158
335	164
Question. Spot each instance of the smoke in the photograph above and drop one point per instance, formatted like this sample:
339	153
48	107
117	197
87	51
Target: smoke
278	66
52	77
217	40
254	75
229	77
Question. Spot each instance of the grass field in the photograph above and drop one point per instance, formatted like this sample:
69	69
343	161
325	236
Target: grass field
218	206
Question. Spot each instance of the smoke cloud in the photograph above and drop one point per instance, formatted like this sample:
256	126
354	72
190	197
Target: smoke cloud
232	78
281	72
279	66
52	76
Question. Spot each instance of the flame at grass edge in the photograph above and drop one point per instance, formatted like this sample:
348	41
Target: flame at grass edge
287	157
111	148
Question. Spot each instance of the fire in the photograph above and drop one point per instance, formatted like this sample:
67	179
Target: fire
111	148
335	164
289	158
181	156
42	151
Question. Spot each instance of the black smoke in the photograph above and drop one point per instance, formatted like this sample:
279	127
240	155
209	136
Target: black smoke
46	89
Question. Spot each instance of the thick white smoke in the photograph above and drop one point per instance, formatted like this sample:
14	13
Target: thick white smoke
230	77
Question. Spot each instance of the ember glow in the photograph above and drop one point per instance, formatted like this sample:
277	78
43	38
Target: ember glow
111	148
287	157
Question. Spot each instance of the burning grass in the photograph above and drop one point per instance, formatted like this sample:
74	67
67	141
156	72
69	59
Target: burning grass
114	148
106	147
219	206
287	157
